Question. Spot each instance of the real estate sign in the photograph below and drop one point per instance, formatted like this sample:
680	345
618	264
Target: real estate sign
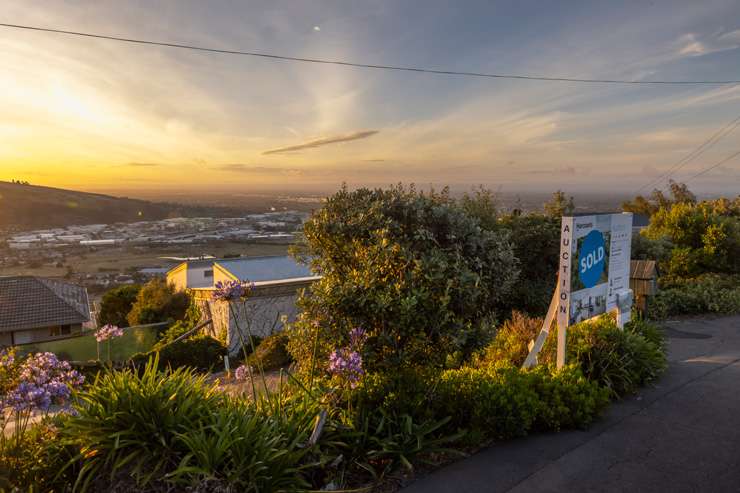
594	270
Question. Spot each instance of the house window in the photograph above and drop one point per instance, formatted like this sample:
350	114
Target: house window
60	330
208	273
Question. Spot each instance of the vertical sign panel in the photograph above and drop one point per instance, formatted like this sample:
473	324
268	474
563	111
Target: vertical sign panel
566	253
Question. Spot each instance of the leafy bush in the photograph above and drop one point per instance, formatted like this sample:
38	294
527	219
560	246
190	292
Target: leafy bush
36	460
129	423
504	402
272	353
240	449
710	293
511	344
492	403
158	301
620	360
412	269
116	305
201	353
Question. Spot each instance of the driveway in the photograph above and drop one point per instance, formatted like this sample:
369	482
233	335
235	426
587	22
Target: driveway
681	434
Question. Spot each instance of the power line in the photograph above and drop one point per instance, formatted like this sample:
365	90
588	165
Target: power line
716	137
368	65
720	163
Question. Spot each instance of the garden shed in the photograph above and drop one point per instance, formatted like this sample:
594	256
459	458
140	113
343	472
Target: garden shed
643	281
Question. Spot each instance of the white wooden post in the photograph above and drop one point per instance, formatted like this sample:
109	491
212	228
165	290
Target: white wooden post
544	332
563	316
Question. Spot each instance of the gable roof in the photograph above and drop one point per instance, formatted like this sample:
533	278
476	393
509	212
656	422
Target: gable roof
32	302
257	269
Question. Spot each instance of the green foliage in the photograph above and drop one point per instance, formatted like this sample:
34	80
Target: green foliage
504	402
679	193
36	460
191	319
412	269
559	205
116	305
705	237
620	360
240	449
129	423
511	342
202	353
272	353
158	301
709	293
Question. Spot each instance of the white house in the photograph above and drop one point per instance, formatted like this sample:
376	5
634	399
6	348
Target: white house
278	281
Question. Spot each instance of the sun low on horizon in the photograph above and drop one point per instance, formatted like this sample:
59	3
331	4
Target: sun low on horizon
104	115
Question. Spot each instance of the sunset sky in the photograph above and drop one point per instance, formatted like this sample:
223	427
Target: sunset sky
100	115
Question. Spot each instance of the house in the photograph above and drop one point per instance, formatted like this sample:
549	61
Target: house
34	309
278	281
192	274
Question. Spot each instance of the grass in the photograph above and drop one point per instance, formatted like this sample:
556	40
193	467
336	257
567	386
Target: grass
83	348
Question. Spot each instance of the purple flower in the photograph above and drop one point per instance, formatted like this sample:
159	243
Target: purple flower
231	290
347	365
357	338
242	373
108	332
43	380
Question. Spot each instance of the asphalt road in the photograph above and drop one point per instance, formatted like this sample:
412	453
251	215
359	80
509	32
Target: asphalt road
680	435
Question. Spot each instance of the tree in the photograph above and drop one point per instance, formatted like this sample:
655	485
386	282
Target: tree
116	305
679	194
412	269
158	301
559	205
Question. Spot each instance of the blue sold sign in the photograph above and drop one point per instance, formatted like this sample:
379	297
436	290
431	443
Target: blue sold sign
591	259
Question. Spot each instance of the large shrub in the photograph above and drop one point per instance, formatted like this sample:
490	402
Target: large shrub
129	423
619	360
116	305
705	237
709	293
158	301
412	269
505	402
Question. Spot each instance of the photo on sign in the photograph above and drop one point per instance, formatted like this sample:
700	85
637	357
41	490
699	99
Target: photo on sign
590	275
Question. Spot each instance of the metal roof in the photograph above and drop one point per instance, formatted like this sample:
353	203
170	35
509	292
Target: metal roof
32	302
258	269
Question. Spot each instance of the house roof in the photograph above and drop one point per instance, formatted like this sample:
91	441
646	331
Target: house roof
32	302
257	269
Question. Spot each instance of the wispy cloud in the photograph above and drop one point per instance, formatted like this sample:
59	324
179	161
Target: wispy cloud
142	165
693	45
322	142
258	170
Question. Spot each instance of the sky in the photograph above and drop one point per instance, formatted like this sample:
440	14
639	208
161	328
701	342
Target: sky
100	115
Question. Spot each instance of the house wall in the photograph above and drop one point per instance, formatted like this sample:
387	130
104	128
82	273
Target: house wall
178	278
265	312
43	334
197	277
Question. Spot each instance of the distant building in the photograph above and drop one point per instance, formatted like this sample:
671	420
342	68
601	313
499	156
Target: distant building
278	281
34	309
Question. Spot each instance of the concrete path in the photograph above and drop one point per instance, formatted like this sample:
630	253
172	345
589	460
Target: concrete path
682	434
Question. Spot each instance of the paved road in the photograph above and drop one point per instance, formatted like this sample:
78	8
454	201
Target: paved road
680	435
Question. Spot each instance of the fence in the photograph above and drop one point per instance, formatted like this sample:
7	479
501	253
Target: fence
84	347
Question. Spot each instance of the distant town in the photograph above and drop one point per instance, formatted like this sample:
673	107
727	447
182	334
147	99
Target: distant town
101	255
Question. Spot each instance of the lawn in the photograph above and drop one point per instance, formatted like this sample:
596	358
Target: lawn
84	347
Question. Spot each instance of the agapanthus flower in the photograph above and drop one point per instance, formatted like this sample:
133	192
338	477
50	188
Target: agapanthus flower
347	365
357	338
43	380
108	332
231	290
242	373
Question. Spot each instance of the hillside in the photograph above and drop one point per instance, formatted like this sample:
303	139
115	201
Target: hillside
32	207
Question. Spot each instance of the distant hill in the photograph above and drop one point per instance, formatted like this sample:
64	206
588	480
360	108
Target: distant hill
35	207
